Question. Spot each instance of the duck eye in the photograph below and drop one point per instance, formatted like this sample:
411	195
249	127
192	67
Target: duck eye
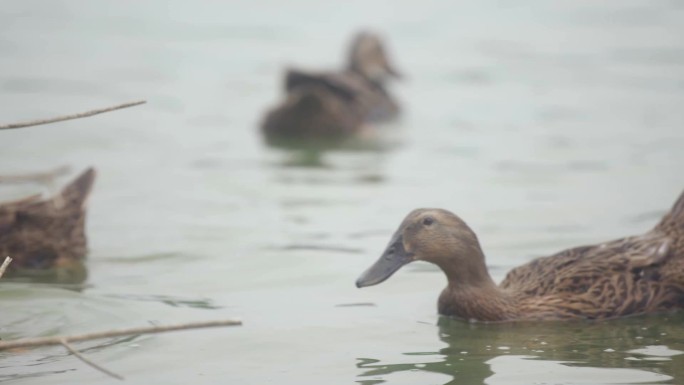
428	221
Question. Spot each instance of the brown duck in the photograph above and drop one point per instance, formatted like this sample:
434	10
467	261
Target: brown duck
633	275
336	104
46	233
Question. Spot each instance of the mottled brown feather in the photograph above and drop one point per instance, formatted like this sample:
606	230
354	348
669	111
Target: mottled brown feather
43	234
638	274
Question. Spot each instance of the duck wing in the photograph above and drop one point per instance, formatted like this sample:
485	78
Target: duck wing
631	275
344	85
369	99
575	270
578	269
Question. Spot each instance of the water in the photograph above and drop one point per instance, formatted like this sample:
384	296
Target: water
543	125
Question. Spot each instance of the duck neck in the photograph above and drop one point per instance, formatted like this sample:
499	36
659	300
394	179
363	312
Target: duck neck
376	82
486	304
472	294
465	265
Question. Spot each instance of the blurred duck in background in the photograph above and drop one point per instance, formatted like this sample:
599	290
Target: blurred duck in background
45	235
333	105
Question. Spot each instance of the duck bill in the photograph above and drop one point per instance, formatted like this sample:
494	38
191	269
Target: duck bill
394	257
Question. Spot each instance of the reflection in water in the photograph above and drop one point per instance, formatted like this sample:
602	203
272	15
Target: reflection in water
305	158
307	169
31	365
200	303
72	273
30	372
579	352
514	370
30	310
310	167
311	152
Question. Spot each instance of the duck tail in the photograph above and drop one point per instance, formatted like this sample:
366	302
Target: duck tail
675	217
75	194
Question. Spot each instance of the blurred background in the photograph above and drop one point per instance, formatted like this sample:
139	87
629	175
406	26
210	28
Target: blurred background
544	125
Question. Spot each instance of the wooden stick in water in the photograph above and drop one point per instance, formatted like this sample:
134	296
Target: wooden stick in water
70	117
4	265
64	340
41	177
57	340
87	361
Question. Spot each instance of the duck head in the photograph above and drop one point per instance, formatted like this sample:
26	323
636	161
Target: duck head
367	57
433	235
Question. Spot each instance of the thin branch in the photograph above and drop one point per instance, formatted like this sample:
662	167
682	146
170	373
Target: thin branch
4	265
41	177
57	340
70	117
87	361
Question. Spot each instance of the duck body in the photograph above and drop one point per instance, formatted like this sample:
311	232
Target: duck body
629	276
330	105
46	233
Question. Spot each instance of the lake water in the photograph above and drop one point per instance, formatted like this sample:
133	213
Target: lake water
544	125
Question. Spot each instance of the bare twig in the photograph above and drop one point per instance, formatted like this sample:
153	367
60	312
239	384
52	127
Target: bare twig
44	341
4	265
41	177
87	361
70	117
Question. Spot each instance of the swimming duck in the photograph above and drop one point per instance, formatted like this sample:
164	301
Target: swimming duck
633	275
46	233
328	105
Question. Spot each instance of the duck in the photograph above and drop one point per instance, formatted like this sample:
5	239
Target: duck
628	276
41	234
336	104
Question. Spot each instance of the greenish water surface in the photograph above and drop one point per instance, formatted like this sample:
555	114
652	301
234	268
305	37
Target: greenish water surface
544	125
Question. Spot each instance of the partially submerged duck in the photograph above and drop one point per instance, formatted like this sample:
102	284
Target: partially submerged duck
633	275
42	234
329	105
